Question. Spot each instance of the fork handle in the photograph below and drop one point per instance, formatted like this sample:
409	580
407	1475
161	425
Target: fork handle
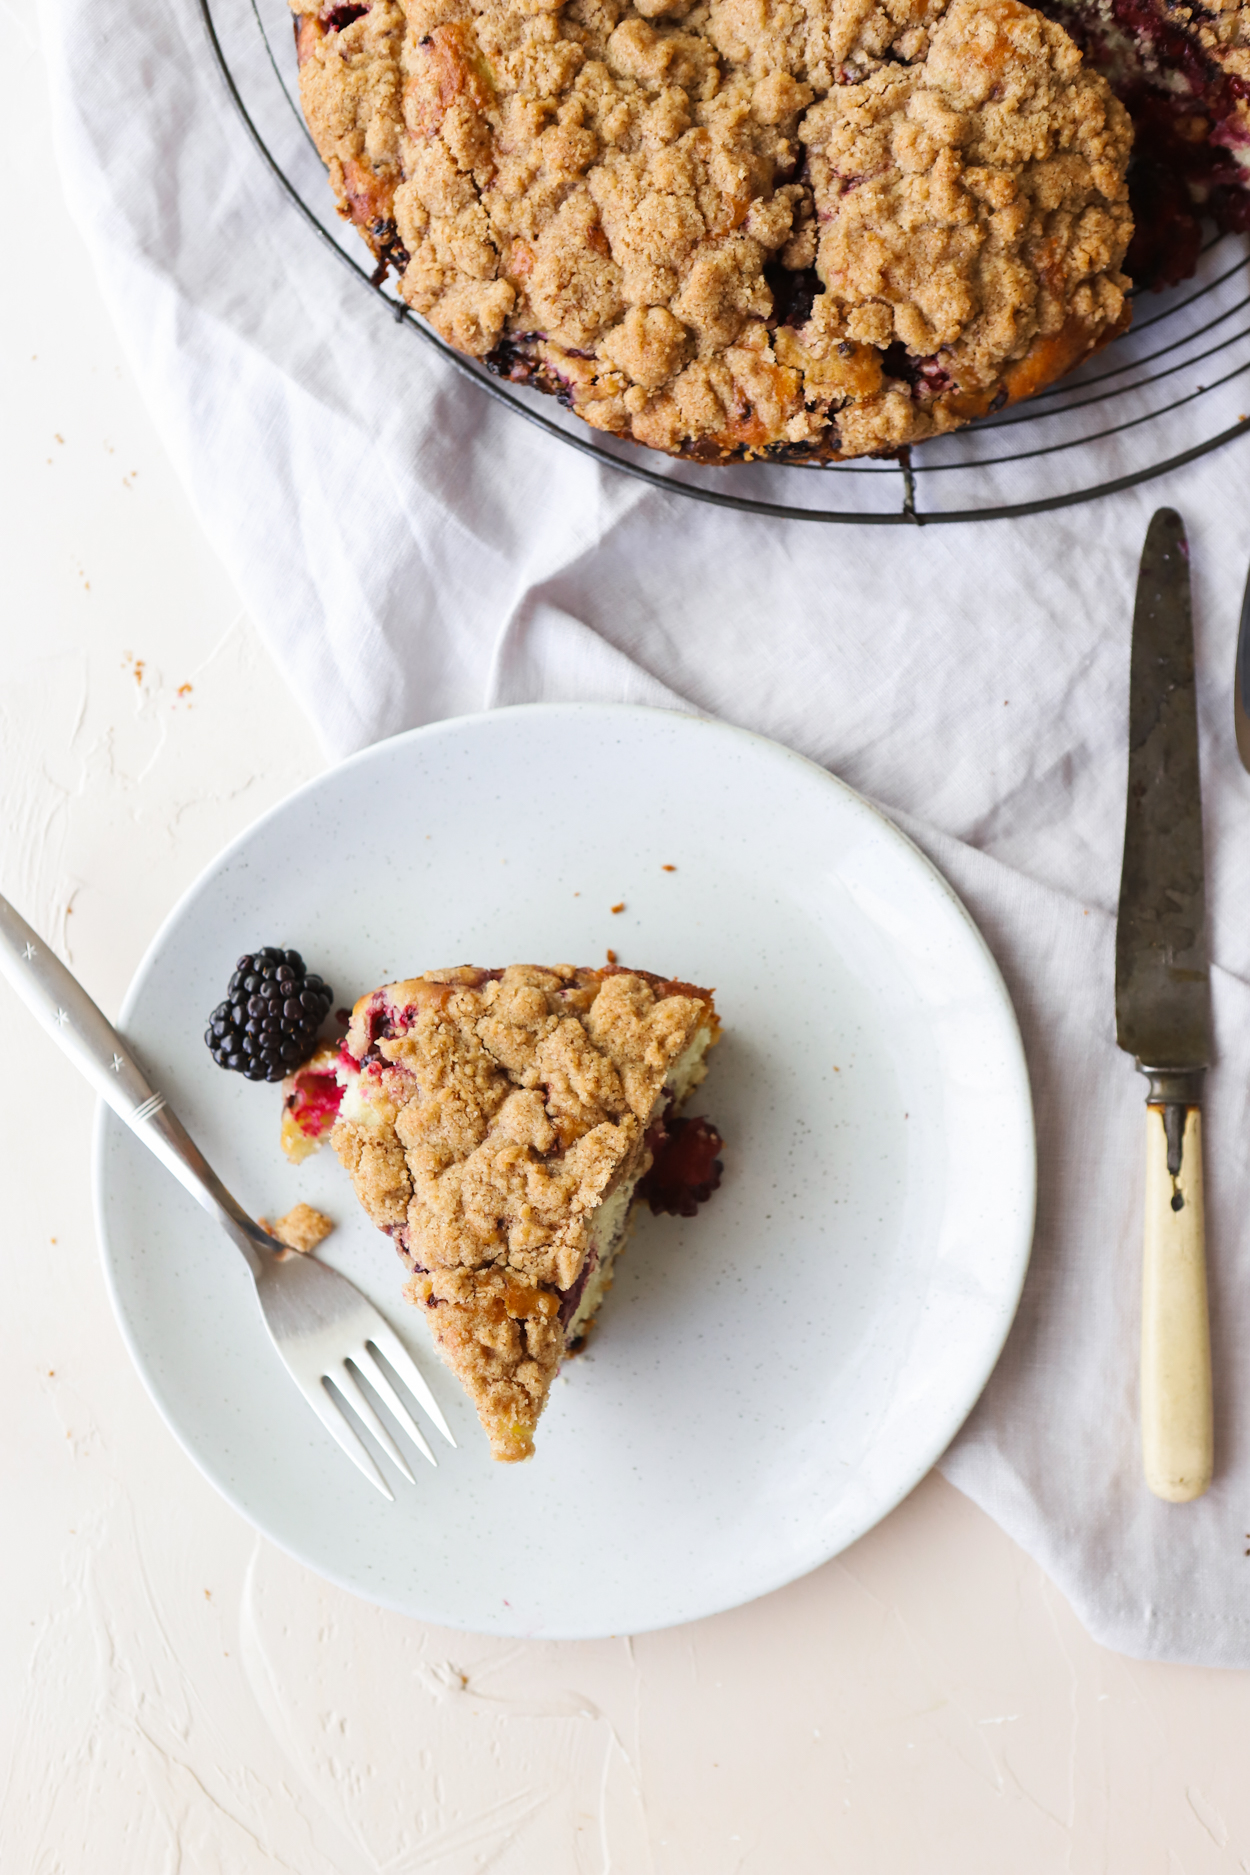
60	1004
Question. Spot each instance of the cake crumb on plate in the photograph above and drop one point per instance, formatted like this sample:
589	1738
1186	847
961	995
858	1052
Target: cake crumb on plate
301	1229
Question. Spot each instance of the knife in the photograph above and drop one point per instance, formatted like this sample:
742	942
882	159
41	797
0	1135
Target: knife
1163	1013
1241	682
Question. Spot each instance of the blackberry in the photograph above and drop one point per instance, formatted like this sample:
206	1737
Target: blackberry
269	1021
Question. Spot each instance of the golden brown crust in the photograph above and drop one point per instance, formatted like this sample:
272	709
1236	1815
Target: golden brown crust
813	229
487	1114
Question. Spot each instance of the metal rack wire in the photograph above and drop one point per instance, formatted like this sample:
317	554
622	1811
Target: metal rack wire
1172	389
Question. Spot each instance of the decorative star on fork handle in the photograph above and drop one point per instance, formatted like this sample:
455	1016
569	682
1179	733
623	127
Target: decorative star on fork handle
327	1334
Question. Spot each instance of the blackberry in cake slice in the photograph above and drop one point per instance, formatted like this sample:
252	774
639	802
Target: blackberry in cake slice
310	1104
498	1126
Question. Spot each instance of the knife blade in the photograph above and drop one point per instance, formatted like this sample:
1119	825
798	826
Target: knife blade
1241	682
1163	1012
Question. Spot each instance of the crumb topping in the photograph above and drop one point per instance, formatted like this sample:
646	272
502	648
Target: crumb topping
486	1116
1183	73
805	228
302	1229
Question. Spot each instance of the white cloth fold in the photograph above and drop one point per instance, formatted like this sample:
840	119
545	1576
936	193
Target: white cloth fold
411	551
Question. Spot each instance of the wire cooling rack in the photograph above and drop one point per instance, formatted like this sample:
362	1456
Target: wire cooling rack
1173	388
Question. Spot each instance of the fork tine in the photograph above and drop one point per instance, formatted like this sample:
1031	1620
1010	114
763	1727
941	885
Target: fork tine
348	1385
399	1358
332	1419
371	1370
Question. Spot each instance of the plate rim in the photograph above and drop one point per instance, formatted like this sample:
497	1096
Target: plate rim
106	1125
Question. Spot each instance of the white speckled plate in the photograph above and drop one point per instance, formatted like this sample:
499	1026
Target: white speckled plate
767	1379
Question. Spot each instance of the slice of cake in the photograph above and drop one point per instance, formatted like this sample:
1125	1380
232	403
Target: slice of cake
497	1124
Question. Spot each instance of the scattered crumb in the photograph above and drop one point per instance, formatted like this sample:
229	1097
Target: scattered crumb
301	1229
183	690
52	1373
611	956
619	907
52	1240
668	869
59	437
208	1595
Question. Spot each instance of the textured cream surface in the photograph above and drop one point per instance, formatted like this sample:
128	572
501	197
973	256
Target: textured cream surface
609	200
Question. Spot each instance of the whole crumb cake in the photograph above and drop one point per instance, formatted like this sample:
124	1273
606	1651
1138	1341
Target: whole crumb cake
801	230
302	1228
498	1125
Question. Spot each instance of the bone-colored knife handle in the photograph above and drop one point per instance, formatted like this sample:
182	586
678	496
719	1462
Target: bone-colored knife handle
1177	1432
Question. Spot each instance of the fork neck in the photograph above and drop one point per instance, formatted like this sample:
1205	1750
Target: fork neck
172	1143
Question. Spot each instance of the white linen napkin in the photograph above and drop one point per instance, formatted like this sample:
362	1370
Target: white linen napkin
410	551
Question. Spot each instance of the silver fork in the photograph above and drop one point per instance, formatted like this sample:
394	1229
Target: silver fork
323	1328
